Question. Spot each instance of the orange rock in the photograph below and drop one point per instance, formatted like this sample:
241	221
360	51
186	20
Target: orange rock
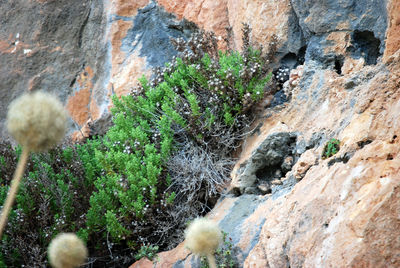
265	18
127	8
77	106
340	42
126	70
209	15
341	214
307	160
80	106
351	65
143	263
393	31
83	133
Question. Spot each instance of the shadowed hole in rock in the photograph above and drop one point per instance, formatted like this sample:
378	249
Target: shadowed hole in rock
344	159
290	60
269	175
301	55
362	143
338	65
366	45
282	74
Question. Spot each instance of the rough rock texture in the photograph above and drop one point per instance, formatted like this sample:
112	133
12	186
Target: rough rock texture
141	41
269	156
82	51
332	30
342	211
317	17
47	45
393	33
210	15
265	18
303	210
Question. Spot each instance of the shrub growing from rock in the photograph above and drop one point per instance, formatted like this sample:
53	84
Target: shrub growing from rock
163	162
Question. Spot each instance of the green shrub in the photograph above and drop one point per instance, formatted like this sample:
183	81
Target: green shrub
150	252
331	148
225	255
160	164
200	99
53	197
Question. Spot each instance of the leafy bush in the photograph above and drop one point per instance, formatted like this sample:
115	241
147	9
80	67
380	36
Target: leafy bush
197	104
163	161
53	197
150	252
331	148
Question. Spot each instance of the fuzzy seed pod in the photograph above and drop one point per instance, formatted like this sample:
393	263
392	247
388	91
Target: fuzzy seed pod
203	237
66	250
37	121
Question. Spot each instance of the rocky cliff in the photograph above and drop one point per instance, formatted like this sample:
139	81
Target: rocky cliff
287	205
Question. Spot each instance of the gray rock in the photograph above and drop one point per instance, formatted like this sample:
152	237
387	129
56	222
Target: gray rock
264	188
151	32
351	83
272	152
364	20
317	17
49	43
251	190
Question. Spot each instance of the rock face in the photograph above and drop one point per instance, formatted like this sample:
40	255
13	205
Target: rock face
344	211
266	162
340	211
82	51
52	46
287	206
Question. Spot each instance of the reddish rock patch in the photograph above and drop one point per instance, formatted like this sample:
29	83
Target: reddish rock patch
393	32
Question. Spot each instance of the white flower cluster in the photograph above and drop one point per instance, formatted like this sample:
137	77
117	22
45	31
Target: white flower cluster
282	74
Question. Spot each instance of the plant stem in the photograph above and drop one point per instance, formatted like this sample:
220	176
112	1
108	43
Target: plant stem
211	261
14	188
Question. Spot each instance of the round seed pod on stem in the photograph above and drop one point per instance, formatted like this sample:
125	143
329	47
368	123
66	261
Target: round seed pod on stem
67	250
203	237
37	121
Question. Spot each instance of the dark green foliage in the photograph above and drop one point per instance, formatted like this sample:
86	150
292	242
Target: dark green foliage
197	97
150	252
53	198
331	148
160	164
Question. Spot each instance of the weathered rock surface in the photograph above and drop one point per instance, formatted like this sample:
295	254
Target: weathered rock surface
53	46
342	211
266	161
310	212
320	17
82	51
265	18
393	32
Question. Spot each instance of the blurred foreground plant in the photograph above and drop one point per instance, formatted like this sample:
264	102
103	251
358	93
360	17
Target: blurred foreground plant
37	121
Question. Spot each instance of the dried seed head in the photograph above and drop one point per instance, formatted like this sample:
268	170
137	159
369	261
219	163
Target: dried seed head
66	250
37	121
203	236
